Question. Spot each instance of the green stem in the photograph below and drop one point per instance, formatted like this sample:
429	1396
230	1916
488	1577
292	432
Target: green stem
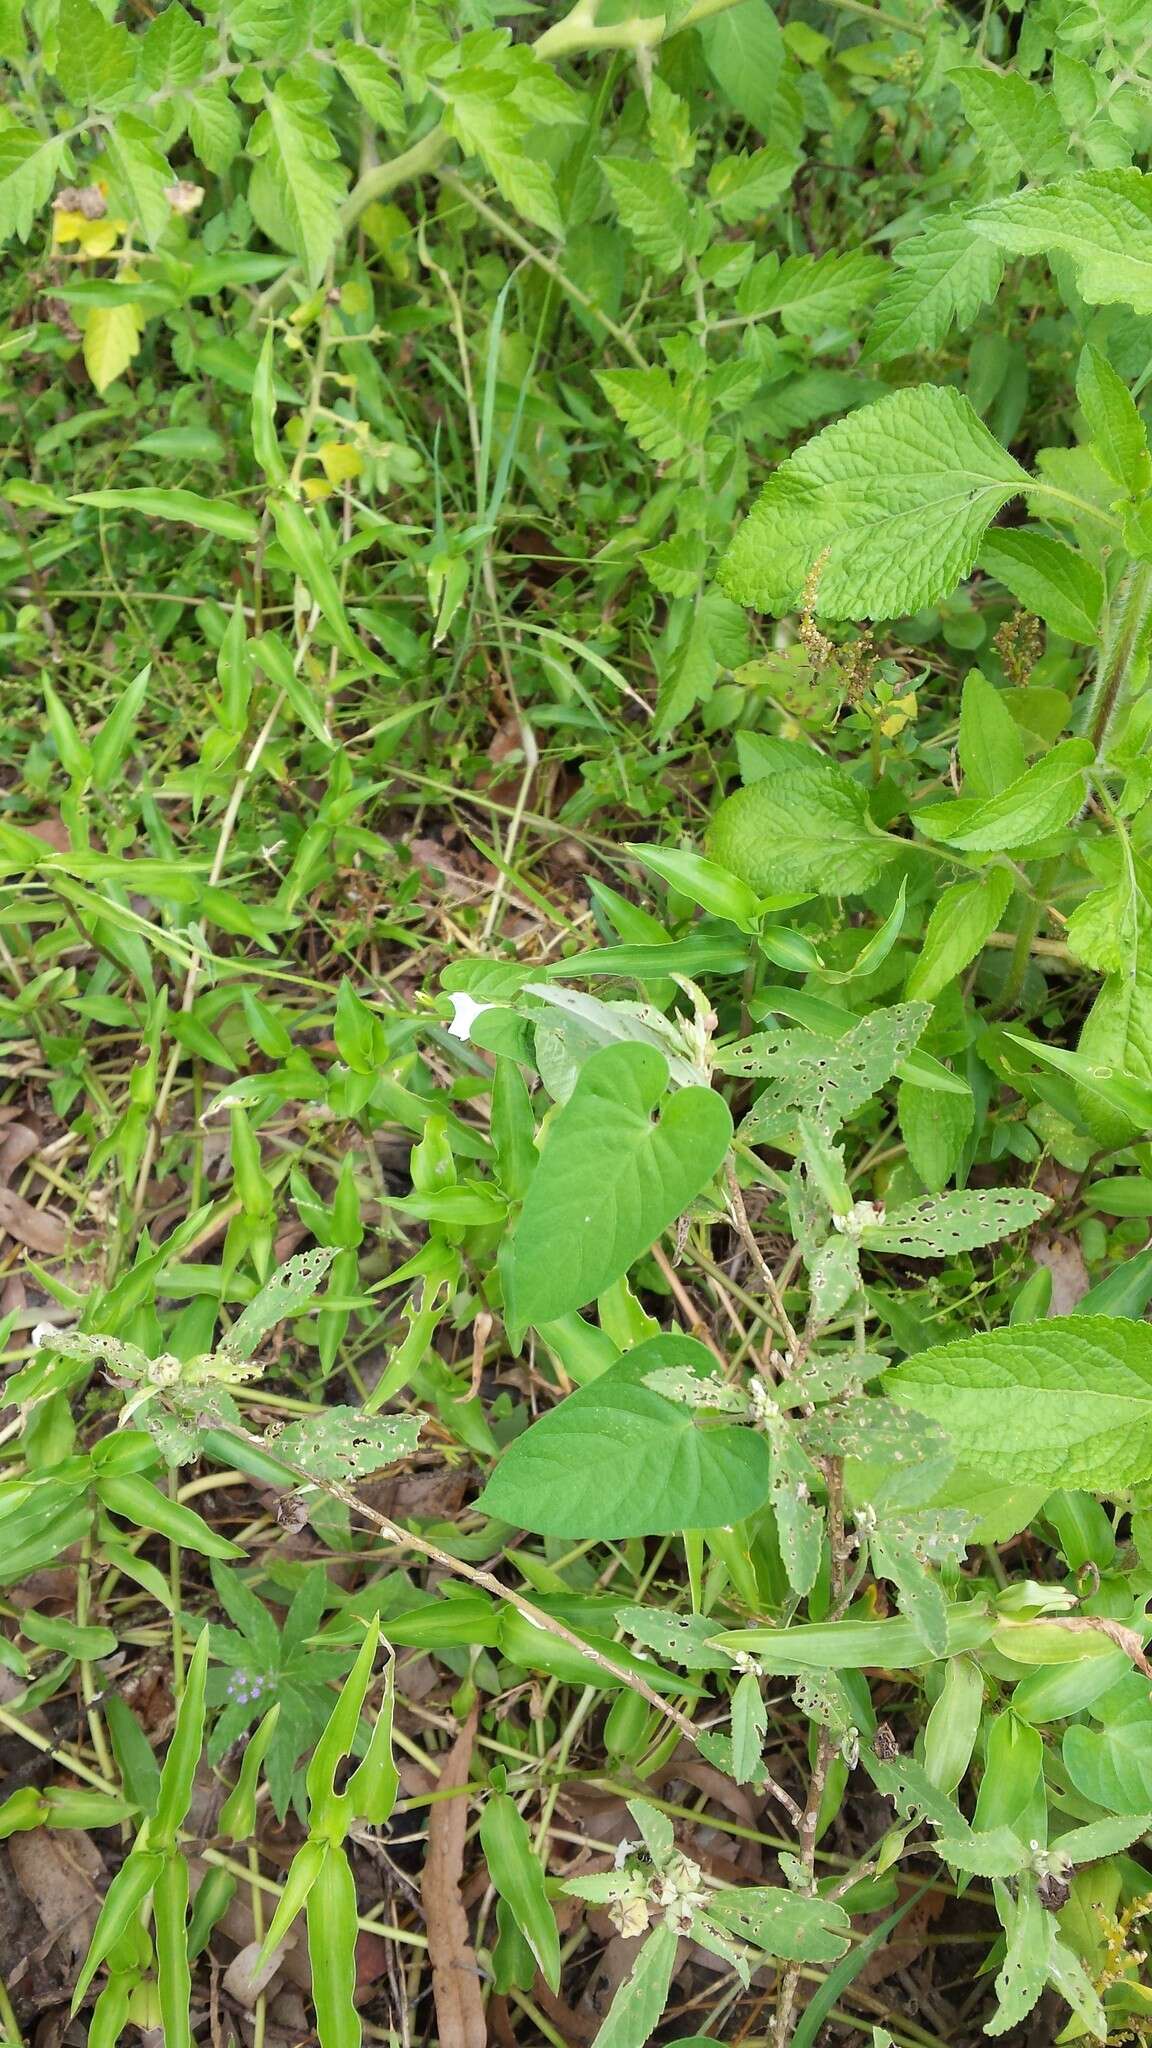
1120	653
1029	925
422	157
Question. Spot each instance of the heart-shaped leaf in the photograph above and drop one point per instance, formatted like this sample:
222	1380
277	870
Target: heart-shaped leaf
611	1177
617	1459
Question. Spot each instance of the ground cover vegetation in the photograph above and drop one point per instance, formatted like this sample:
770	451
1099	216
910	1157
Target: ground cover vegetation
576	1023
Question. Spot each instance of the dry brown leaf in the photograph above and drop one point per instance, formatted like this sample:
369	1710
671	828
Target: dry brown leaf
58	1874
19	1143
456	1991
37	1228
1070	1277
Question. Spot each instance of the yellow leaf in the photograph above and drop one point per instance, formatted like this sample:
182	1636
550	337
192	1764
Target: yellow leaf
67	227
339	461
111	339
315	488
99	237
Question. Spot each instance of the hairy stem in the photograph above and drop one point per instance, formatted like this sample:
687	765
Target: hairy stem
1119	664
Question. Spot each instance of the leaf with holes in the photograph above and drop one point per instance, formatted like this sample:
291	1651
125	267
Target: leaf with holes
676	1638
287	1290
342	1444
781	1923
617	1459
825	1078
799	1521
942	1224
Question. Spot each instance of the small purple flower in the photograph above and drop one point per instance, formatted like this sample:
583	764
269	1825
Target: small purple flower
244	1687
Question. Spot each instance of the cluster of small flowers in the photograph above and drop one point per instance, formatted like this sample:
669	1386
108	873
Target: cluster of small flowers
245	1687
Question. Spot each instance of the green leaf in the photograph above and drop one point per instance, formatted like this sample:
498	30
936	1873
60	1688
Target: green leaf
941	1225
812	292
610	1180
618	1459
1043	799
342	1444
1101	220
965	914
991	749
894	1644
173	50
1066	1403
375	86
301	542
296	189
211	515
283	1294
882	513
748	57
781	1923
827	1078
934	1129
1119	436
744	186
214	125
949	272
1024	1971
29	166
488	119
636	2009
1048	578
801	830
652	207
143	171
515	1870
667	422
97	62
1113	1766
799	1520
1016	121
1117	1035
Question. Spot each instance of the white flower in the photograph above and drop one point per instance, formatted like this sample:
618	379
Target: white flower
465	1010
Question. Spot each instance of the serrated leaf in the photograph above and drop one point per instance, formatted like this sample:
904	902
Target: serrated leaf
745	51
297	186
1017	122
990	747
960	922
949	272
143	172
1044	798
940	1225
1065	1403
884	511
1117	1035
920	1595
802	831
214	125
342	1444
1024	1971
934	1129
745	185
652	207
676	1638
29	166
375	86
610	1180
1119	436
1048	578
97	62
668	421
616	1459
173	49
676	565
812	292
1101	220
799	1519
